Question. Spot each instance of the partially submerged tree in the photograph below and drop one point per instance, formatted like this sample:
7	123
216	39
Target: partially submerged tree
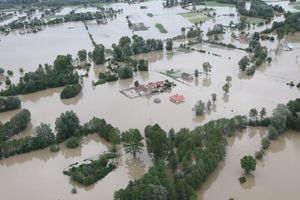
199	108
133	141
248	163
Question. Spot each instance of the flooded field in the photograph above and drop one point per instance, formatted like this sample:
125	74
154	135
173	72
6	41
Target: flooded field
266	88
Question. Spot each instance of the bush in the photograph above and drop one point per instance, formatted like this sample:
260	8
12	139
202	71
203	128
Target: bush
143	65
1	70
74	190
70	91
125	72
99	82
251	70
54	148
259	154
272	133
10	73
9	103
73	142
242	179
265	143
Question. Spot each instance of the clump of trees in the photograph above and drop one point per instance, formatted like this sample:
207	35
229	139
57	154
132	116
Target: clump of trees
258	8
66	126
16	124
89	173
130	46
60	74
98	54
70	91
9	103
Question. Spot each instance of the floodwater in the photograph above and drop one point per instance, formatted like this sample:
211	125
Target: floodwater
38	175
44	169
274	177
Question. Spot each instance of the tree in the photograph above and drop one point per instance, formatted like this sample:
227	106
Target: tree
206	67
66	125
114	137
158	143
228	79
44	134
125	72
243	63
82	54
199	108
133	142
214	97
280	33
226	88
98	55
196	73
272	133
265	142
169	44
2	71
263	113
136	83
208	105
62	63
248	163
155	192
253	113
143	65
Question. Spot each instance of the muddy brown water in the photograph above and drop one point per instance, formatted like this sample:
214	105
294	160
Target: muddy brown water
38	175
275	176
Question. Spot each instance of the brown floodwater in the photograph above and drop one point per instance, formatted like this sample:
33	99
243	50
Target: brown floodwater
275	176
44	179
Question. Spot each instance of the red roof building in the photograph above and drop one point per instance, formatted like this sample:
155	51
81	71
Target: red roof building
177	98
155	85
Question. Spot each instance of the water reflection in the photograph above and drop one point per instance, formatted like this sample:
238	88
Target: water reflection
136	168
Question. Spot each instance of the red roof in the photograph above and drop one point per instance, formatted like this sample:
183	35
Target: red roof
177	98
155	84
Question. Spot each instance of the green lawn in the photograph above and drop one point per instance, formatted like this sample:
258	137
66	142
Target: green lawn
195	17
254	20
217	4
161	28
139	27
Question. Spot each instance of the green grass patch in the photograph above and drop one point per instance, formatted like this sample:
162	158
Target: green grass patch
161	28
254	20
139	27
195	17
217	4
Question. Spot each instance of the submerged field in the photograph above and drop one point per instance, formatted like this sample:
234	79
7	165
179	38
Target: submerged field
266	88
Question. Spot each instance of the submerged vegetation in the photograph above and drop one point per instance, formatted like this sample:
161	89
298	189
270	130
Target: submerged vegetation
93	170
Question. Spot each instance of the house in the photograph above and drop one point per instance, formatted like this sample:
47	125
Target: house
155	85
177	98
